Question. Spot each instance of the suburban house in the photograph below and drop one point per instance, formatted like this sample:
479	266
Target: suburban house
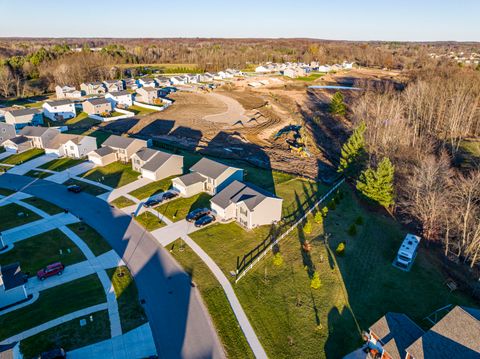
74	146
249	205
93	88
113	85
455	336
17	144
12	285
206	176
124	147
156	165
178	80
39	135
192	78
146	82
206	77
67	92
59	109
97	106
147	95
294	72
7	131
162	81
119	99
130	83
24	117
103	156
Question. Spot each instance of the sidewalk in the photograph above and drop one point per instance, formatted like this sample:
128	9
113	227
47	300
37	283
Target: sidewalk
30	165
5	154
173	231
125	190
61	177
137	343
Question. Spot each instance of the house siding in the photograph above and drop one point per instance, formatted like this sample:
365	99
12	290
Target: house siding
225	179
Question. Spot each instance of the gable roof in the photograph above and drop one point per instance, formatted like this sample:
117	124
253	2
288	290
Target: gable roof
97	101
24	112
237	192
396	331
455	336
103	151
115	141
209	168
59	102
35	131
12	275
95	84
157	161
191	178
18	140
148	89
145	153
111	82
120	93
63	138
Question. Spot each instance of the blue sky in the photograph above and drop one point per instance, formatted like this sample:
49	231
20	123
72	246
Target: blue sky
409	20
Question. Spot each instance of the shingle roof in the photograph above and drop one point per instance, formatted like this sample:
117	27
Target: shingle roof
120	93
456	336
12	275
19	140
24	111
35	131
237	192
148	89
209	168
191	178
97	101
103	151
396	331
59	102
156	161
146	153
63	138
115	141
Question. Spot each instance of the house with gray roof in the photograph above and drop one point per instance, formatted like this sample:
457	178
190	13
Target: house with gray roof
124	147
67	92
147	95
97	106
249	205
12	285
7	131
59	110
210	176
40	136
93	88
102	156
17	144
24	117
113	85
120	99
146	82
156	165
70	145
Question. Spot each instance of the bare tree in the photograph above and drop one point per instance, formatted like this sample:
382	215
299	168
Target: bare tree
6	81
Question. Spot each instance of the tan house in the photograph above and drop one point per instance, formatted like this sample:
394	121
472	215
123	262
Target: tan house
124	147
24	117
147	95
103	156
93	88
156	165
74	146
40	136
97	106
249	205
206	176
113	85
17	144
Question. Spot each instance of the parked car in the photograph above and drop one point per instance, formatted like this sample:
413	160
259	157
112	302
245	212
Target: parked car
170	195
197	213
203	221
50	270
152	202
74	188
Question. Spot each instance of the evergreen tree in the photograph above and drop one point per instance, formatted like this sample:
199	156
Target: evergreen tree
337	106
377	185
353	151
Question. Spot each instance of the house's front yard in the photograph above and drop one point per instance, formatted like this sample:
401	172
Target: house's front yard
19	158
122	202
53	303
12	215
115	175
36	252
87	187
43	205
152	188
97	244
149	221
178	209
61	164
38	174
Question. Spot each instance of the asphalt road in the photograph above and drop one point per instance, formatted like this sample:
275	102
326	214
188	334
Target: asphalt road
179	320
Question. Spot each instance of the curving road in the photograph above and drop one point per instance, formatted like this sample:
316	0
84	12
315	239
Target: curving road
179	320
234	113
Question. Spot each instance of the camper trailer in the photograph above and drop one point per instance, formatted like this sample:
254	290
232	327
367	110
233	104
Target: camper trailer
407	252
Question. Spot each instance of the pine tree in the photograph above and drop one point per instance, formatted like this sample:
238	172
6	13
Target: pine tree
353	151
377	185
337	106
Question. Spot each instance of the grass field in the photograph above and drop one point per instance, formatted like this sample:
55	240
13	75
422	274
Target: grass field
53	303
69	335
140	111
61	164
468	156
87	187
38	174
115	175
9	216
23	157
122	202
6	192
37	252
152	188
43	205
149	221
308	78
178	209
217	303
131	311
97	244
100	135
81	121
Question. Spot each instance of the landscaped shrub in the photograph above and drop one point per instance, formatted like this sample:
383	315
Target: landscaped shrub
332	205
359	220
318	218
277	259
352	230
307	228
324	211
340	249
315	283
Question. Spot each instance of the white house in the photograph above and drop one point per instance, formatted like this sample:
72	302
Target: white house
192	78
59	110
262	69
146	82
162	81
347	65
67	92
12	285
177	80
156	165
206	77
74	146
119	99
113	85
93	88
324	68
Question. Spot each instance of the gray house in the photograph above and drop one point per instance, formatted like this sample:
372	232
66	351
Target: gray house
156	165
207	176
7	131
147	95
40	136
17	144
12	285
249	205
124	147
24	117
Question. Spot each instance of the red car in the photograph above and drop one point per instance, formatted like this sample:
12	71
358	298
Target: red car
51	269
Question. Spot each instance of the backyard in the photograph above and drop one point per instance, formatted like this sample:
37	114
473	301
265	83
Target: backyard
100	135
23	157
12	215
115	175
178	209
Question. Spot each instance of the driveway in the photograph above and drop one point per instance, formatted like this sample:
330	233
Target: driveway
30	165
61	177
179	320
172	232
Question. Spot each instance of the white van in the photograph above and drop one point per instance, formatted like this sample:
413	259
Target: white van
407	252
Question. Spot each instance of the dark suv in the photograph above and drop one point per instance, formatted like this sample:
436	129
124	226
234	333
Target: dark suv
197	213
74	188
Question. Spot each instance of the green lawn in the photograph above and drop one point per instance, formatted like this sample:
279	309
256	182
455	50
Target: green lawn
23	157
311	77
69	335
152	188
87	187
43	205
37	252
81	121
38	174
115	175
53	303
468	156
140	111
100	135
61	164
122	202
149	221
6	192
131	311
217	303
10	218
97	244
179	208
